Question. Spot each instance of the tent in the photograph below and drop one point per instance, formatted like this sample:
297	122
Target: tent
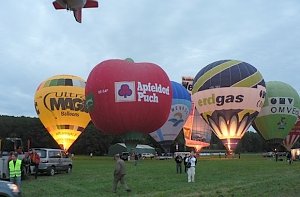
119	148
141	148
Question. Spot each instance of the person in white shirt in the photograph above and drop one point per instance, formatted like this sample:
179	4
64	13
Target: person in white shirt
192	169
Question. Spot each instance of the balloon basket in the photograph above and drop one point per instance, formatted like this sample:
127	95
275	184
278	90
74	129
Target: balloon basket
230	145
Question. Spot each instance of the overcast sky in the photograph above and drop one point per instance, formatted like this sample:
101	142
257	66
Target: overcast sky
182	36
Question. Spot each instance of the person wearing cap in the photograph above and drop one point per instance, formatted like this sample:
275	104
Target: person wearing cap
119	174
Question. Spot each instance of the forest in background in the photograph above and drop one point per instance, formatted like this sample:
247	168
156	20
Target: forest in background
92	140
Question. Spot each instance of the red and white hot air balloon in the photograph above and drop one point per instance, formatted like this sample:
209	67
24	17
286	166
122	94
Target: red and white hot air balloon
292	137
124	96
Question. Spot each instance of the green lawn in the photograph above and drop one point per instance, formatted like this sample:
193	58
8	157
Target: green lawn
252	175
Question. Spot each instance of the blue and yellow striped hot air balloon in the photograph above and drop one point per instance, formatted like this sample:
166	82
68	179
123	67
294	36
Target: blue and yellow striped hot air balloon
229	94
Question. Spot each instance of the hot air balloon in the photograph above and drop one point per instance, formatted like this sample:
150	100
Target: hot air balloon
197	133
124	96
279	112
292	137
180	109
187	82
229	94
60	105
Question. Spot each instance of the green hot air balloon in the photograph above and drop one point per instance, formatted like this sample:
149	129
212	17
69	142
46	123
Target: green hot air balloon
279	113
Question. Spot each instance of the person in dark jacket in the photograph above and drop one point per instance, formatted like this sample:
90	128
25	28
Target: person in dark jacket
136	158
178	160
26	163
184	162
289	157
35	161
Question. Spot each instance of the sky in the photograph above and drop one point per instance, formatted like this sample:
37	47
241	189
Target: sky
38	42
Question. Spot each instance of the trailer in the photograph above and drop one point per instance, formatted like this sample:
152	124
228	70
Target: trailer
8	146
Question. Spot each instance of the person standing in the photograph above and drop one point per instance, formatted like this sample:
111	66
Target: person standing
15	170
35	161
276	156
178	160
191	161
136	158
289	157
119	174
184	162
26	163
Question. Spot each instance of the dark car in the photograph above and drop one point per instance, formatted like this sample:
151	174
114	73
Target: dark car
8	189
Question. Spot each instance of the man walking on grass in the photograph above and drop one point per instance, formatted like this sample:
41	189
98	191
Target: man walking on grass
119	174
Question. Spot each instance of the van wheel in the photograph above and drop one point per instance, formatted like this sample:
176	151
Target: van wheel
69	169
51	171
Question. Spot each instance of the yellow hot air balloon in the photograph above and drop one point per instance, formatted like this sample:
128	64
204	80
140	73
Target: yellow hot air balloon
60	105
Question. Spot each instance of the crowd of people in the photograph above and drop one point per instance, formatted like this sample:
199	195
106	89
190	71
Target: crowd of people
189	161
31	158
16	166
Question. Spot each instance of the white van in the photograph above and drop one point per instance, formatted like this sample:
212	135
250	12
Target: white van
54	160
147	155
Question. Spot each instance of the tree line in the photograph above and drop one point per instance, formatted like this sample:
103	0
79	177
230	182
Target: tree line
33	134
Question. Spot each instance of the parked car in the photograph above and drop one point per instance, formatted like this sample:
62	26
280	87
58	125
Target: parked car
165	156
53	161
8	189
273	154
268	154
147	155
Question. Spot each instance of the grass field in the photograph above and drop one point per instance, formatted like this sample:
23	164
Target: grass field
252	175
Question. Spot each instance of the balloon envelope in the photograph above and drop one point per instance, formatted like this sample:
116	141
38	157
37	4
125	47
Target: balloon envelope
279	113
123	96
229	94
59	103
180	109
197	133
292	137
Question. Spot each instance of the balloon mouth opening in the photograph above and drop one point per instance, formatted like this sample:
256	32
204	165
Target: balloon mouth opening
129	60
230	144
65	137
198	148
